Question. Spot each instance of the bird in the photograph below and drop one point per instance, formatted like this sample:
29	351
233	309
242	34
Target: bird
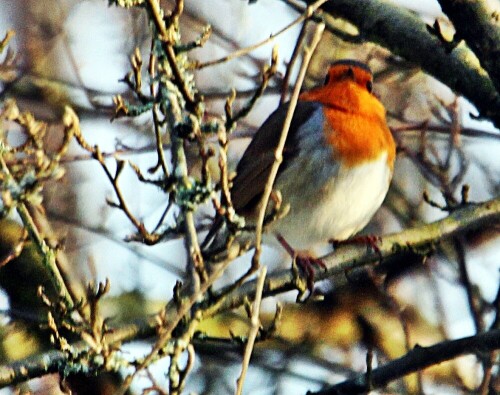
338	162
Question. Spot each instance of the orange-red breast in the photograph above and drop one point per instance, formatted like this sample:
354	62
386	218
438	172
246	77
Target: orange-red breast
337	164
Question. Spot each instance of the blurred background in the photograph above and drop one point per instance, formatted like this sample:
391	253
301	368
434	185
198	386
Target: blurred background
76	52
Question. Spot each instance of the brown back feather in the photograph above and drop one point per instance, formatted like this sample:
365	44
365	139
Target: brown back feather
255	166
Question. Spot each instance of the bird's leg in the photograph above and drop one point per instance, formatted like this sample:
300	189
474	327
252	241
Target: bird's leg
305	261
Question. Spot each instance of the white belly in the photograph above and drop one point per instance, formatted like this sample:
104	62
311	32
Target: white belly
348	199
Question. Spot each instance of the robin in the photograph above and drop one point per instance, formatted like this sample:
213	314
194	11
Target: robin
338	162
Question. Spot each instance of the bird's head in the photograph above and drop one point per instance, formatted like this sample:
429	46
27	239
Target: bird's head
348	86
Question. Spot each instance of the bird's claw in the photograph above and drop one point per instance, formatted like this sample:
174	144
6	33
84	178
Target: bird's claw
307	263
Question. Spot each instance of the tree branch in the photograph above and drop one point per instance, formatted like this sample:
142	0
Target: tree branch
417	359
478	23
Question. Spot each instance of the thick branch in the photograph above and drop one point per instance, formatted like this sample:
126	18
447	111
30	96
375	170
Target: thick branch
54	361
478	23
406	35
349	257
417	359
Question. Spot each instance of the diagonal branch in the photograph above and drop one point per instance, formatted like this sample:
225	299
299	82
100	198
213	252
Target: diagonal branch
254	330
417	359
278	152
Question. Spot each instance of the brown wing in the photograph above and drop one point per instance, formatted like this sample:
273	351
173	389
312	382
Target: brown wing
254	167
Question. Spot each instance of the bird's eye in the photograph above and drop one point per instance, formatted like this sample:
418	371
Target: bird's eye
327	79
369	86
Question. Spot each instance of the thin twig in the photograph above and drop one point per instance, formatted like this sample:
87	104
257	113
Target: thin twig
73	122
398	311
278	153
329	26
293	59
156	11
422	127
267	73
161	262
488	364
75	287
254	330
8	36
458	243
243	51
443	129
156	119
